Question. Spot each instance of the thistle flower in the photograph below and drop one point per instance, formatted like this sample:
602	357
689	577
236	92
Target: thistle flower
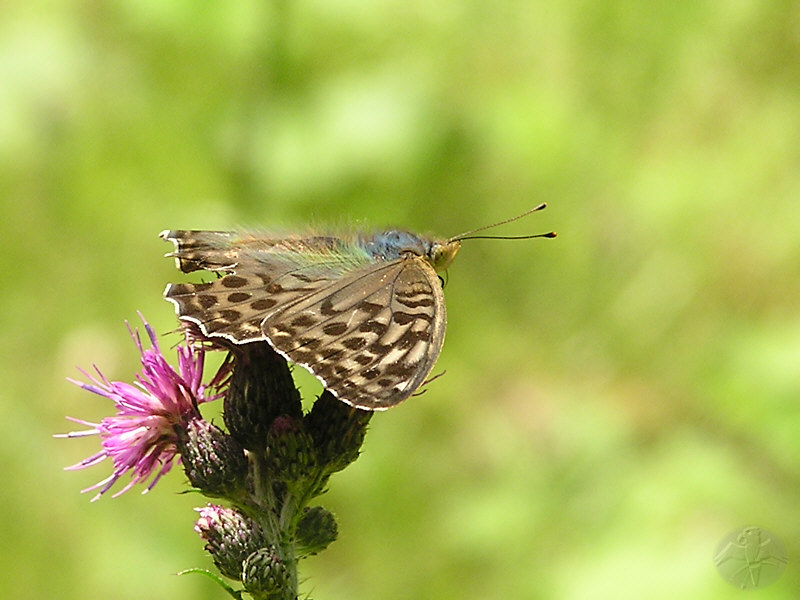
141	438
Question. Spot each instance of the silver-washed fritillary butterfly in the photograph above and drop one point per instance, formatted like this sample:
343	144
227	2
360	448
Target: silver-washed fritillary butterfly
364	313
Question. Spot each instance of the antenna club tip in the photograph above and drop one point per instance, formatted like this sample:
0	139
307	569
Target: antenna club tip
552	234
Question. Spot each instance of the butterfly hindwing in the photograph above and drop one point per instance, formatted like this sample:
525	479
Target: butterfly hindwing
262	273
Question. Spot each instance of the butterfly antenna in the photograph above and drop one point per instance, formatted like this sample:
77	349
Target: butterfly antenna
467	235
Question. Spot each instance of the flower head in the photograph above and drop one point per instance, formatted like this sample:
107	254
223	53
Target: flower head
141	438
230	537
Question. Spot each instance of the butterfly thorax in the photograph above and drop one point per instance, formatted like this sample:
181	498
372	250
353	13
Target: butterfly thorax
395	244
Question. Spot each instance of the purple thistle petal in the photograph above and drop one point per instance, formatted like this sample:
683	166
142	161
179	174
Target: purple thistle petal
141	438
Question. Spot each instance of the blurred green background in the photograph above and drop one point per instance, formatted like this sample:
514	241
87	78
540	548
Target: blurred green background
616	400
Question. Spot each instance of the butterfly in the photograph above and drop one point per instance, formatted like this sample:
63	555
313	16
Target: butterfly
363	312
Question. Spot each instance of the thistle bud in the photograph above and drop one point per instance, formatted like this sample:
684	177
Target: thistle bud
316	530
289	453
265	576
213	461
261	388
338	431
230	537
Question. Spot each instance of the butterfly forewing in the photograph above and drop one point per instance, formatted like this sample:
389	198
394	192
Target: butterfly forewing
370	329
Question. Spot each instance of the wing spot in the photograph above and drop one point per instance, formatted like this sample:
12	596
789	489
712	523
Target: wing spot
363	359
415	303
263	304
354	343
401	370
410	338
206	300
233	281
371	327
326	308
379	349
371	373
303	321
404	318
237	297
335	328
370	308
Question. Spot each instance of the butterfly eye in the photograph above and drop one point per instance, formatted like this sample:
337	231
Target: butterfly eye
441	255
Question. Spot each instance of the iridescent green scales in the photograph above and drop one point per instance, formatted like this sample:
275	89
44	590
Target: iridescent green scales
364	313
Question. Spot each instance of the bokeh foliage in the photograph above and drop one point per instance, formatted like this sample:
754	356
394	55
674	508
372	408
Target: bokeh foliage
616	400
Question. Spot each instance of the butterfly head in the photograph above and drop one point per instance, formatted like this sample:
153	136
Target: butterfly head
441	253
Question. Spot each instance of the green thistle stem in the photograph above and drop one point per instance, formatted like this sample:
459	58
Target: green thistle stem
264	496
